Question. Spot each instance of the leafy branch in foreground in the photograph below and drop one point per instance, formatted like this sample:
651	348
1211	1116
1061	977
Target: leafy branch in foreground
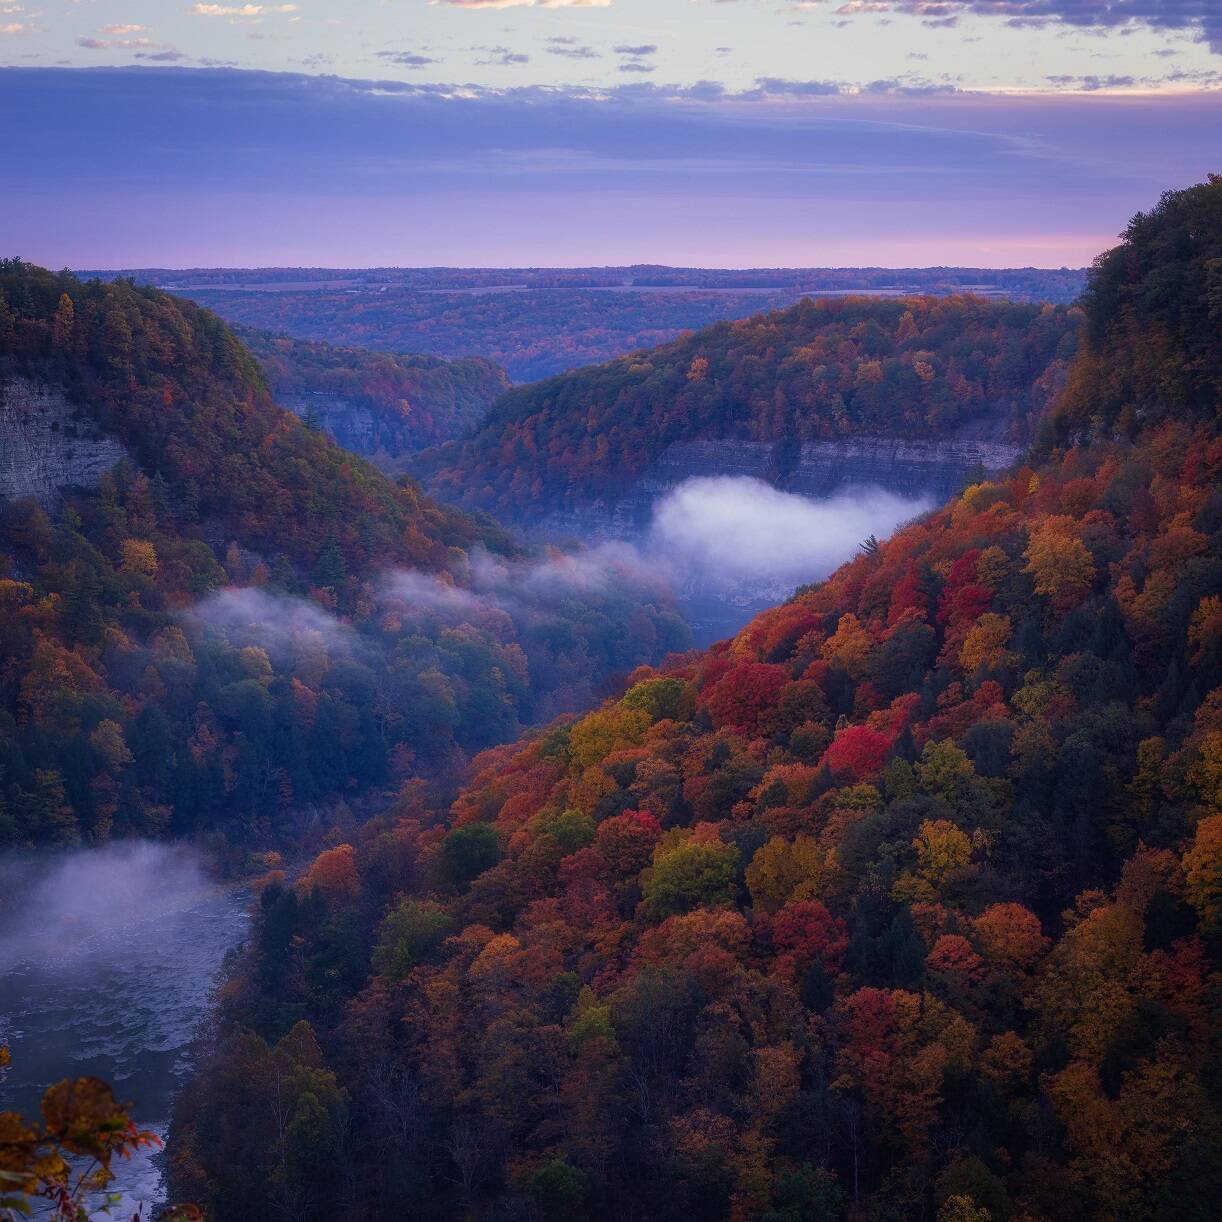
66	1159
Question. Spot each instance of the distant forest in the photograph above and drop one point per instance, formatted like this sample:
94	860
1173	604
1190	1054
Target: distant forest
921	366
539	322
378	404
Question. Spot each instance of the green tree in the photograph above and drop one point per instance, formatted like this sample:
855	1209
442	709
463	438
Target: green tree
470	850
410	932
689	875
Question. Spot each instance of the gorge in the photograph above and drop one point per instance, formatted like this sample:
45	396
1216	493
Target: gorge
736	525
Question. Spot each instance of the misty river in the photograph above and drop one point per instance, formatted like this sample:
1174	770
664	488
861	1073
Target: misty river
108	957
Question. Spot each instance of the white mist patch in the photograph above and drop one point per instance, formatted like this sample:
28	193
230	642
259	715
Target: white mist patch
503	593
728	530
278	623
92	906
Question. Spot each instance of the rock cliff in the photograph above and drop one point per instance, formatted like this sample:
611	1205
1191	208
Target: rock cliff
934	469
351	425
47	444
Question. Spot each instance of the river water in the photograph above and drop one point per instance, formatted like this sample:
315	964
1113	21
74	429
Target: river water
108	959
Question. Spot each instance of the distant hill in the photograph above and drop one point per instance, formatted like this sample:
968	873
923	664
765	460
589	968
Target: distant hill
537	322
173	385
380	405
925	367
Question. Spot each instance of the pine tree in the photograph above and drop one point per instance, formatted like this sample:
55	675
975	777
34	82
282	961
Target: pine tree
331	570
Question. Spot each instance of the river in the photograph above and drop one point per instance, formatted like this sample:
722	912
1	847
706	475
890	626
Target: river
108	959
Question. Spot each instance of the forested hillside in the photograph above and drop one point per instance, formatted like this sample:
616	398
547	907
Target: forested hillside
915	367
189	403
904	903
242	620
378	404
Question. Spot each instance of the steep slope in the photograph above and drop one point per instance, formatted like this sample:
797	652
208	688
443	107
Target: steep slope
818	372
380	405
212	617
1158	300
173	386
904	902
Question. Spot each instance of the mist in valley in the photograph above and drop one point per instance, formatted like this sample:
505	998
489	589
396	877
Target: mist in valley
719	548
728	530
108	958
84	909
732	545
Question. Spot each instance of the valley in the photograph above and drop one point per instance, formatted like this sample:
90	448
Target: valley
736	526
611	611
712	783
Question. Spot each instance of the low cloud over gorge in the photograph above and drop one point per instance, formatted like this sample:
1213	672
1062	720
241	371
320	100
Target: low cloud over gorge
279	624
559	627
730	538
733	530
528	593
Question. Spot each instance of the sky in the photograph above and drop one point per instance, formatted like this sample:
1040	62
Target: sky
561	132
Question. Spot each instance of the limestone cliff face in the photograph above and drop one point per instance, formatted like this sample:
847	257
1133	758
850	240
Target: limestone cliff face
935	469
47	445
926	471
912	468
352	425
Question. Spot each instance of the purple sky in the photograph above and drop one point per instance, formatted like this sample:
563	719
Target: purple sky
169	166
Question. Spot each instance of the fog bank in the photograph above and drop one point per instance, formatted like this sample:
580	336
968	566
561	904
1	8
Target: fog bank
90	908
529	593
725	531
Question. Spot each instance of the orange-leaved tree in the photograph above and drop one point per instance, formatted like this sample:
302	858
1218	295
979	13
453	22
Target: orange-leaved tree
66	1158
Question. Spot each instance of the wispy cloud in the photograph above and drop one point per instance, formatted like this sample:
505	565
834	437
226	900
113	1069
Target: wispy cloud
407	59
1201	17
141	47
501	57
570	48
495	4
241	10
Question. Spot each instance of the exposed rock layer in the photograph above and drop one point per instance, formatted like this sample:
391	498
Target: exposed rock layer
936	469
350	424
47	444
